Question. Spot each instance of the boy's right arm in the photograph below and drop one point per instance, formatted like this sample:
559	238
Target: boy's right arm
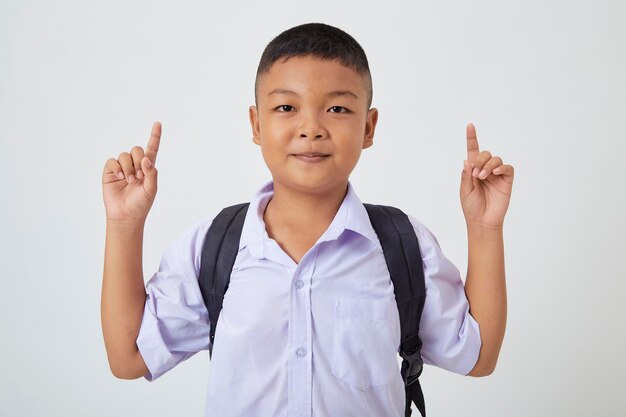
129	187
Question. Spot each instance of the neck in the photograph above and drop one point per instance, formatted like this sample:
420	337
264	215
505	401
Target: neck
303	210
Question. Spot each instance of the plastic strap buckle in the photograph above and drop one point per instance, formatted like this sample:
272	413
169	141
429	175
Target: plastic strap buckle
412	366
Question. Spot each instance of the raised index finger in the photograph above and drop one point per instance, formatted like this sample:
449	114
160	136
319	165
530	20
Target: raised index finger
153	143
472	143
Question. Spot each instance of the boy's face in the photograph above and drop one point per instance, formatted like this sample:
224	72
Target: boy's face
311	119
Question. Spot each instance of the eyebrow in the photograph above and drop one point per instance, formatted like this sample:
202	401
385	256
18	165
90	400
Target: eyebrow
330	94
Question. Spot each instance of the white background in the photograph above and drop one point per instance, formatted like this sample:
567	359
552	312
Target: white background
543	81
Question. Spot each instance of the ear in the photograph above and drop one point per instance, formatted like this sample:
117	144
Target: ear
254	123
370	127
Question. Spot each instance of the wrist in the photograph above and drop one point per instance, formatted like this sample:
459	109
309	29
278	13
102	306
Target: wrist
482	230
125	225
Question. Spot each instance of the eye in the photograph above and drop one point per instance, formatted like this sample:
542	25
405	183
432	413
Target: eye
282	106
339	107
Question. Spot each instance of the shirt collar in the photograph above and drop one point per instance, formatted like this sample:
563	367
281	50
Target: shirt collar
351	215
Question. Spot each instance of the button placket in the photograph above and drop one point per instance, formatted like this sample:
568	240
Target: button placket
300	339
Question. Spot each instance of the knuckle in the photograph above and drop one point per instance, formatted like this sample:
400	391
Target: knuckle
496	161
481	159
136	149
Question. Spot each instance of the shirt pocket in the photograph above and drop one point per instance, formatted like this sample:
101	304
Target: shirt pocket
364	346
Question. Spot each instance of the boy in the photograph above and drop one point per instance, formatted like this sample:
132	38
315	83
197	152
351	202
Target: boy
309	324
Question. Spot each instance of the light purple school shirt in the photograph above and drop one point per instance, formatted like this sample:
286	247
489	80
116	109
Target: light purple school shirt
319	338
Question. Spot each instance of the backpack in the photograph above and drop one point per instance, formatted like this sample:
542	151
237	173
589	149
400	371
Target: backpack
404	262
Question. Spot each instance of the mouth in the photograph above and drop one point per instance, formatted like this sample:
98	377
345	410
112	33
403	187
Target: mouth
311	156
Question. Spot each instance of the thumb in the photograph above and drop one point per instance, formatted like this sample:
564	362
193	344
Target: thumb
150	179
467	183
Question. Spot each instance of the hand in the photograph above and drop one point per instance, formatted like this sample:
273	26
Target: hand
129	183
486	185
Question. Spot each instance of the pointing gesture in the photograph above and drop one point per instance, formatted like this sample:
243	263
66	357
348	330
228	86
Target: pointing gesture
486	185
153	144
129	183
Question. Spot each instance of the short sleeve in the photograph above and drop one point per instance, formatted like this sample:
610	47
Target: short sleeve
175	322
450	335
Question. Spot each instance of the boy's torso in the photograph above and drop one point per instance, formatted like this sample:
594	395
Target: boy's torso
323	331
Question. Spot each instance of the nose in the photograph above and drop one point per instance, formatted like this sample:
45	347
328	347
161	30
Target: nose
311	135
312	128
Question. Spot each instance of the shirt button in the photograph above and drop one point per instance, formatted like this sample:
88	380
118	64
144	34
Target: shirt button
299	284
301	352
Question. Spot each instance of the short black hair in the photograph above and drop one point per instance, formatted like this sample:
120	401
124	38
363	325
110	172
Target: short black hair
321	41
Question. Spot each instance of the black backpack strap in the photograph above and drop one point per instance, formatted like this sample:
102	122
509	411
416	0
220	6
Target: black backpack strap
219	252
404	261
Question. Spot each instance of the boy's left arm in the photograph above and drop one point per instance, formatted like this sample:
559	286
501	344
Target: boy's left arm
486	185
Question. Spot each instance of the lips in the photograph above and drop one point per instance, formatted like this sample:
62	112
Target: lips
312	154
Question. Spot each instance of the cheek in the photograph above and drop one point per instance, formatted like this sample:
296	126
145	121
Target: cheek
276	126
270	154
275	136
348	157
354	127
273	148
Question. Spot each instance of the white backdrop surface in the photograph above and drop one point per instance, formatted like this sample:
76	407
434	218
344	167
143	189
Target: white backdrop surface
543	81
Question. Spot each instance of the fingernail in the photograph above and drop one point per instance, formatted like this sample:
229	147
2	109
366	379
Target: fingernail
120	175
148	163
482	175
131	178
139	174
475	172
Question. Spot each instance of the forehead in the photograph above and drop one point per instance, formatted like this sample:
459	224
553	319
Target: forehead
311	75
